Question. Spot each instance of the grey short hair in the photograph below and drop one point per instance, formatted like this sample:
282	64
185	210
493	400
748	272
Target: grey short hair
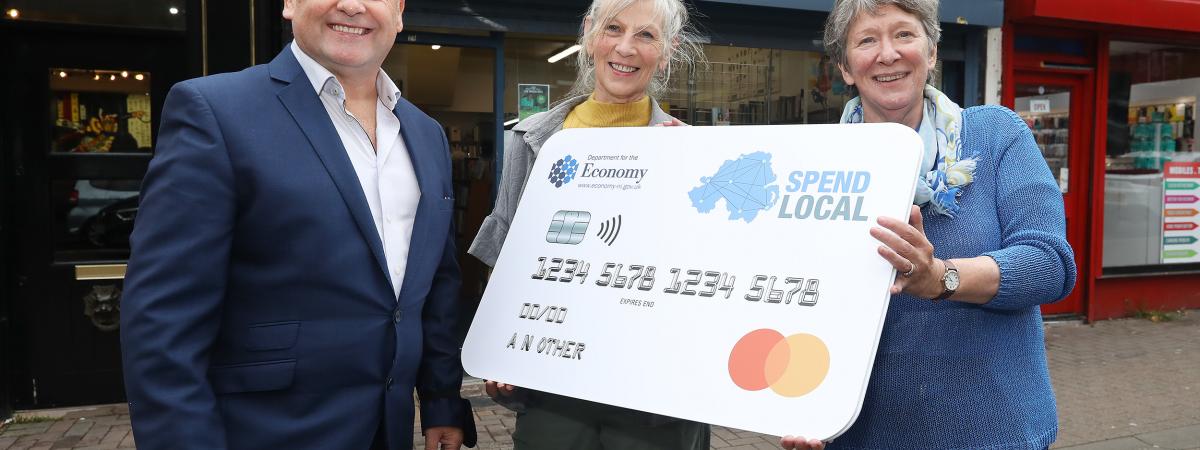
837	26
681	45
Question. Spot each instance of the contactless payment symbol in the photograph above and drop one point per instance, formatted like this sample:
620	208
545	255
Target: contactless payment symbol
568	227
563	171
791	366
609	230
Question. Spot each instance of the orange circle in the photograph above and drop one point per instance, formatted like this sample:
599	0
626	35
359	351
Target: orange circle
746	360
809	359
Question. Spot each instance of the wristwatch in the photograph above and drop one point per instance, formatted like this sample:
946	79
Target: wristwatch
949	281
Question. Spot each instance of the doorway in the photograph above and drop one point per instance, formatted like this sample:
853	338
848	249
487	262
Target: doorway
1058	106
454	79
85	107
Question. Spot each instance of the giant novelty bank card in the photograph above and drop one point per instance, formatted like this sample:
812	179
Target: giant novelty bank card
718	274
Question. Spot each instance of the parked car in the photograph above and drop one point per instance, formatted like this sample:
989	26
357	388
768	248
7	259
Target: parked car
112	225
102	211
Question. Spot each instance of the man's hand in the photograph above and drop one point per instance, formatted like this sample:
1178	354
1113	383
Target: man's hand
443	438
495	389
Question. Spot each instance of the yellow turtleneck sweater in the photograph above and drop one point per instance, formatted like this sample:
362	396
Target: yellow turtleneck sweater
594	114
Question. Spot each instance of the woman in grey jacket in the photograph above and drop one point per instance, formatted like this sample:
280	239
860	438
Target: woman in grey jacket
628	50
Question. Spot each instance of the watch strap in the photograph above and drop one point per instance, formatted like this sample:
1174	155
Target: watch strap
946	291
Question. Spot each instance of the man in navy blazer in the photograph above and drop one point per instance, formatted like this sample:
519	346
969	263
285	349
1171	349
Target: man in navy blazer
293	276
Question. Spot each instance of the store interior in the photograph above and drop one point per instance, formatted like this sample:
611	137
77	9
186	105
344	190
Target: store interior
1153	90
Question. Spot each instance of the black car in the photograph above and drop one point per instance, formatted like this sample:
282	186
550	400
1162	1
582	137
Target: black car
111	226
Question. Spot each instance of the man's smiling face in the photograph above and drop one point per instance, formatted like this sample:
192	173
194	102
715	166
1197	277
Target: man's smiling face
346	36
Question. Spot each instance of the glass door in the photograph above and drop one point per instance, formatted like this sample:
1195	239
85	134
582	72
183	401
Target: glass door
1057	108
1046	109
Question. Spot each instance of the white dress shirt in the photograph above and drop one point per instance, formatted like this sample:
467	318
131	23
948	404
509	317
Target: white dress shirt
386	175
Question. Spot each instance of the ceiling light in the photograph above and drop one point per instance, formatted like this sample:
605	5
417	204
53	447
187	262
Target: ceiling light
511	122
13	13
124	74
62	74
563	54
139	77
436	47
173	10
97	77
112	78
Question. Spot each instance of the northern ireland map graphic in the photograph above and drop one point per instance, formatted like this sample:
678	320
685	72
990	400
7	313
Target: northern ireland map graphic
746	184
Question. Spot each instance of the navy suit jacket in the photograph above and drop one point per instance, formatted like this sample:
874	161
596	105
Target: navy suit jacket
258	312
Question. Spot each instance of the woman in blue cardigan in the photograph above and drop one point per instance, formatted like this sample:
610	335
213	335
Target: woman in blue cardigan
962	361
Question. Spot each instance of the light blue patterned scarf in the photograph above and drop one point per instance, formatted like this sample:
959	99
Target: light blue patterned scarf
946	171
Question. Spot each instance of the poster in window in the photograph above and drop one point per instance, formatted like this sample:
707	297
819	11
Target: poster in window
101	122
1181	212
532	99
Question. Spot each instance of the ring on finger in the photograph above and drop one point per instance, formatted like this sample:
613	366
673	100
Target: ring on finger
911	268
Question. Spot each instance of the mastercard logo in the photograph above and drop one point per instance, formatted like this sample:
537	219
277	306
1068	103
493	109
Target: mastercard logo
791	366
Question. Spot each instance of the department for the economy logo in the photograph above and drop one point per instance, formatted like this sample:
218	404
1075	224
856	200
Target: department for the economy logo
563	171
598	171
791	366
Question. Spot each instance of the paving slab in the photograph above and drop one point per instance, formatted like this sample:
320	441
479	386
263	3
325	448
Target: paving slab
1125	443
1182	438
1120	385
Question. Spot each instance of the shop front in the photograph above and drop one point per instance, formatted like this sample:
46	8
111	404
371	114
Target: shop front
1109	89
83	98
82	94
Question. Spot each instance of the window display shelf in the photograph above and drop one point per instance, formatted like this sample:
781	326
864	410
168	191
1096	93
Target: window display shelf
1162	127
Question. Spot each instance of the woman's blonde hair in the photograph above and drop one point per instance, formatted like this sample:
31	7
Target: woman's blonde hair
681	46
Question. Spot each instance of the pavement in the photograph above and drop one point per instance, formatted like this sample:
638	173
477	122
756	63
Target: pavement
1121	385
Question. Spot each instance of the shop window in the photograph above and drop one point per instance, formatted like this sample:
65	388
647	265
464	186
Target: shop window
1152	188
736	85
100	111
752	86
156	14
538	73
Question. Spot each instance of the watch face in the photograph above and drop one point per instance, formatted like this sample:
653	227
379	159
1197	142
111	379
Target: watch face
951	280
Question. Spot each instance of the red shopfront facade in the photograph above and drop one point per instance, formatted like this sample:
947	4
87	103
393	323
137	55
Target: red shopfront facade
1110	89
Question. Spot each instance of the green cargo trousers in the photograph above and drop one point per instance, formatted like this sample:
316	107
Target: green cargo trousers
553	422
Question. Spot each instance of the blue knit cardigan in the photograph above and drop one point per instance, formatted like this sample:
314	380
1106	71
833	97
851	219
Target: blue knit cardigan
953	375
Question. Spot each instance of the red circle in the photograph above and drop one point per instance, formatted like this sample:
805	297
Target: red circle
747	360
